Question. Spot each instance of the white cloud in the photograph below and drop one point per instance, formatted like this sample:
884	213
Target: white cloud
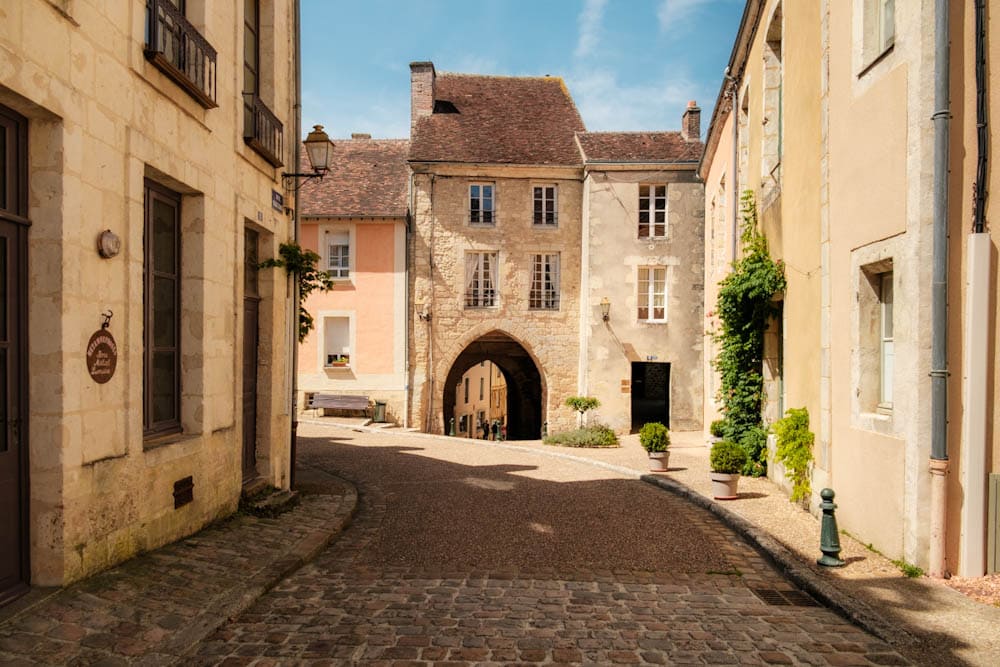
675	13
608	105
590	27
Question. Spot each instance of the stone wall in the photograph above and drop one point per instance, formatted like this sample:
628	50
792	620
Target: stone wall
440	239
615	254
102	120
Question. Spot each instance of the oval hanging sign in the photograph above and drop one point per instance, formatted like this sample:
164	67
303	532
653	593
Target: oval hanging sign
102	356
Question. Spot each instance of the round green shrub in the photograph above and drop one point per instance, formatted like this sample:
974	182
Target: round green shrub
718	428
654	437
727	457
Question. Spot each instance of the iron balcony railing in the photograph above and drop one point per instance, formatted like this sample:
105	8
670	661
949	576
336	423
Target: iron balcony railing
262	130
175	47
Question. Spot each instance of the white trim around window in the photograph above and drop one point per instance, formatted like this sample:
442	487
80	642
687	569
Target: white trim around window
653	211
545	205
482	203
338	249
482	279
651	294
335	340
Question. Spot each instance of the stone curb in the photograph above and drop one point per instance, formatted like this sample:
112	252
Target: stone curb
230	605
778	554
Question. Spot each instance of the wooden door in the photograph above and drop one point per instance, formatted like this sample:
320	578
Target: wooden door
14	571
251	323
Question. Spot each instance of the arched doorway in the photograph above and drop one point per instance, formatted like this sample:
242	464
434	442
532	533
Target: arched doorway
523	379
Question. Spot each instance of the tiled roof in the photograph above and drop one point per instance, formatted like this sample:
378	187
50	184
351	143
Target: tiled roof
367	177
638	147
499	120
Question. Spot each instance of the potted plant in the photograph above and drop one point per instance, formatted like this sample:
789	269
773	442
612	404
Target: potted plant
726	460
717	429
655	438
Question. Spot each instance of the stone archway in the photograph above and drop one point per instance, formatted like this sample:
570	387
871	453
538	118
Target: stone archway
524	382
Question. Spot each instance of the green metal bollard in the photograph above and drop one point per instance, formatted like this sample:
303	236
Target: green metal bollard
829	537
451	427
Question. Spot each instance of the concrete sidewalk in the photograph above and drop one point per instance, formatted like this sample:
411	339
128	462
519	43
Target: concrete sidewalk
153	608
921	617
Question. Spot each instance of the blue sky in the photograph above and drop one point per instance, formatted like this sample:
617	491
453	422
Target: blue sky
629	64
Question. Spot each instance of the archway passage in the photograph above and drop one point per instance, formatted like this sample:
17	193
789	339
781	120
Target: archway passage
524	382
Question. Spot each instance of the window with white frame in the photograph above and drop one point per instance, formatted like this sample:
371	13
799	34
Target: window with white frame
887	354
544	294
337	342
481	279
652	211
545	199
652	294
481	204
339	254
879	25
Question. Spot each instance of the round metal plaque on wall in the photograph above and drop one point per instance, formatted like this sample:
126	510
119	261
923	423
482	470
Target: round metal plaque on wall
102	356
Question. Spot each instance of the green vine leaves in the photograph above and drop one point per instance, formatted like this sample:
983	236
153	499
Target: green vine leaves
302	263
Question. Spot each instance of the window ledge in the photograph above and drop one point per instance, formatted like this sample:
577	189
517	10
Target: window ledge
876	60
157	441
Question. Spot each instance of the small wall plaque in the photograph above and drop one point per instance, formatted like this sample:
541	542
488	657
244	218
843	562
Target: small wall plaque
277	201
102	356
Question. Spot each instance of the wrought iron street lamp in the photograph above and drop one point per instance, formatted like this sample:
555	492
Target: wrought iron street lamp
319	149
605	308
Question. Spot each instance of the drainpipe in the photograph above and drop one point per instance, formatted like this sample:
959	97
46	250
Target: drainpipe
939	296
294	319
735	198
975	413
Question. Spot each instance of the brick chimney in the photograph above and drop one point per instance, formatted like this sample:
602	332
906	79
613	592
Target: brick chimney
421	91
691	122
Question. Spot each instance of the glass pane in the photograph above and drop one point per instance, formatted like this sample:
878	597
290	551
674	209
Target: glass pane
474	191
887	298
250	49
658	313
164	236
250	263
3	167
164	312
164	387
3	290
643	191
643	313
659	216
888	361
488	191
3	399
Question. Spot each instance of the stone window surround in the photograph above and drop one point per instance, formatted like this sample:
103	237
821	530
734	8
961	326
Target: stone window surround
539	221
652	293
477	298
547	299
325	231
651	211
321	318
481	210
869	264
872	44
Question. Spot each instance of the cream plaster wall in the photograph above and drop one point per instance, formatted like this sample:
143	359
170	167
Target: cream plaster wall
374	300
615	255
101	119
441	237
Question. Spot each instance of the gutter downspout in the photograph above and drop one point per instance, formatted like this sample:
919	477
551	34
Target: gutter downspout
294	319
976	370
939	295
734	208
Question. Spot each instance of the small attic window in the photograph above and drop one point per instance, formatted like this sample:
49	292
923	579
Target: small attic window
444	106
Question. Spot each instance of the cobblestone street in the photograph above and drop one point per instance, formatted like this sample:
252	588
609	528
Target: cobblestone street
467	553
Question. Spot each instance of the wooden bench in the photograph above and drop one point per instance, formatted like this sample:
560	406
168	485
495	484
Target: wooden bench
320	401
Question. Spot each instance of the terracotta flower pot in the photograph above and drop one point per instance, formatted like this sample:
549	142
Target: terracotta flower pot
724	485
659	461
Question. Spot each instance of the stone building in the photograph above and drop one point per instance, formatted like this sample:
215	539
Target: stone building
140	162
833	106
356	219
642	238
522	224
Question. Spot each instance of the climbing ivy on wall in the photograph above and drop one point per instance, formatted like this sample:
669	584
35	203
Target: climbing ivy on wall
303	264
743	307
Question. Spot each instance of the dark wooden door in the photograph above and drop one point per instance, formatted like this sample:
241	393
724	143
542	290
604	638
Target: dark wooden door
650	394
14	571
251	322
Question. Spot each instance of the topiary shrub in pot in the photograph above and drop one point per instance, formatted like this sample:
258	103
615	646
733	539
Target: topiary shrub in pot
726	461
655	438
717	429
